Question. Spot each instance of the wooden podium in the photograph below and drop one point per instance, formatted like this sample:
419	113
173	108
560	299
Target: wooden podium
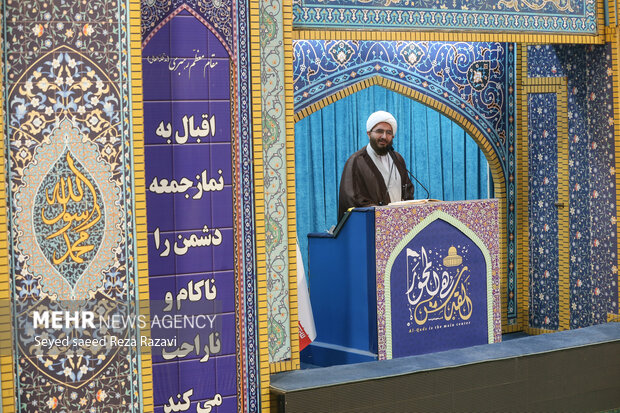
405	279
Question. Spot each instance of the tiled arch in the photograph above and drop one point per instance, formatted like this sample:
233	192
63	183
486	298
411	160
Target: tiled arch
494	159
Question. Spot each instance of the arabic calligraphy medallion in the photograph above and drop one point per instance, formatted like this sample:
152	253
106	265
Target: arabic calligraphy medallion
72	226
69	226
438	291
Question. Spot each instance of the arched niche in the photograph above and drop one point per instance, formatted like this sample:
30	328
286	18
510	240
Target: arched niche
491	156
483	139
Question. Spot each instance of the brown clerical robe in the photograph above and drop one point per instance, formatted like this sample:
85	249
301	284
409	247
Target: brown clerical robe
362	184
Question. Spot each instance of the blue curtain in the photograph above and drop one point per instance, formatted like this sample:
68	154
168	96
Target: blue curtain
438	152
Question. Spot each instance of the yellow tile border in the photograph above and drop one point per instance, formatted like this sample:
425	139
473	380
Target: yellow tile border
137	139
281	366
494	163
613	18
557	86
259	204
522	188
563	208
6	340
545	84
610	34
447	36
537	331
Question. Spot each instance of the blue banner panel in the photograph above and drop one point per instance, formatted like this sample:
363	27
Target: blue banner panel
438	292
437	276
189	180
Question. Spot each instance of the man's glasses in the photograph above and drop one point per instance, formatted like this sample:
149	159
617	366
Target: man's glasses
382	131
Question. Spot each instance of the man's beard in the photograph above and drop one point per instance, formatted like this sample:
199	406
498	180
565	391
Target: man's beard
379	150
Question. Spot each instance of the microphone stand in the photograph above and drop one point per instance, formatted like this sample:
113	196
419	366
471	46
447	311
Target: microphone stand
428	195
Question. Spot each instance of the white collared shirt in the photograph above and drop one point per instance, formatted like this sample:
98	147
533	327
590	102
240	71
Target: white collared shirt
388	170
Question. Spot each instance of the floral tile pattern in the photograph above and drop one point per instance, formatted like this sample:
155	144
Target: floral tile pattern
70	172
592	208
523	16
273	100
543	217
602	174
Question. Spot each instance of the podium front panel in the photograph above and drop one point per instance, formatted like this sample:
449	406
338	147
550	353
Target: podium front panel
341	276
437	272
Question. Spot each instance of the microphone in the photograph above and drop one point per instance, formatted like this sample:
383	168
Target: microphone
428	195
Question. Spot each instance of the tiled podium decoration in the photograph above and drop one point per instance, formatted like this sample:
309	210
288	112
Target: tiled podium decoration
438	282
199	204
76	220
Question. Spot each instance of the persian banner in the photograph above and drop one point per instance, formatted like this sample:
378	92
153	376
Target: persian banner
437	284
189	192
537	16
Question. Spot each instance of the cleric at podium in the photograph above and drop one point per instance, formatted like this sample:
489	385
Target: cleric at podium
376	174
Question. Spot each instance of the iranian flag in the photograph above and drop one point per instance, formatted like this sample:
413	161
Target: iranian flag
307	332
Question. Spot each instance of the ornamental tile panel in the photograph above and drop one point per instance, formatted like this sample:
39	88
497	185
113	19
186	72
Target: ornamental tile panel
592	208
563	16
70	169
